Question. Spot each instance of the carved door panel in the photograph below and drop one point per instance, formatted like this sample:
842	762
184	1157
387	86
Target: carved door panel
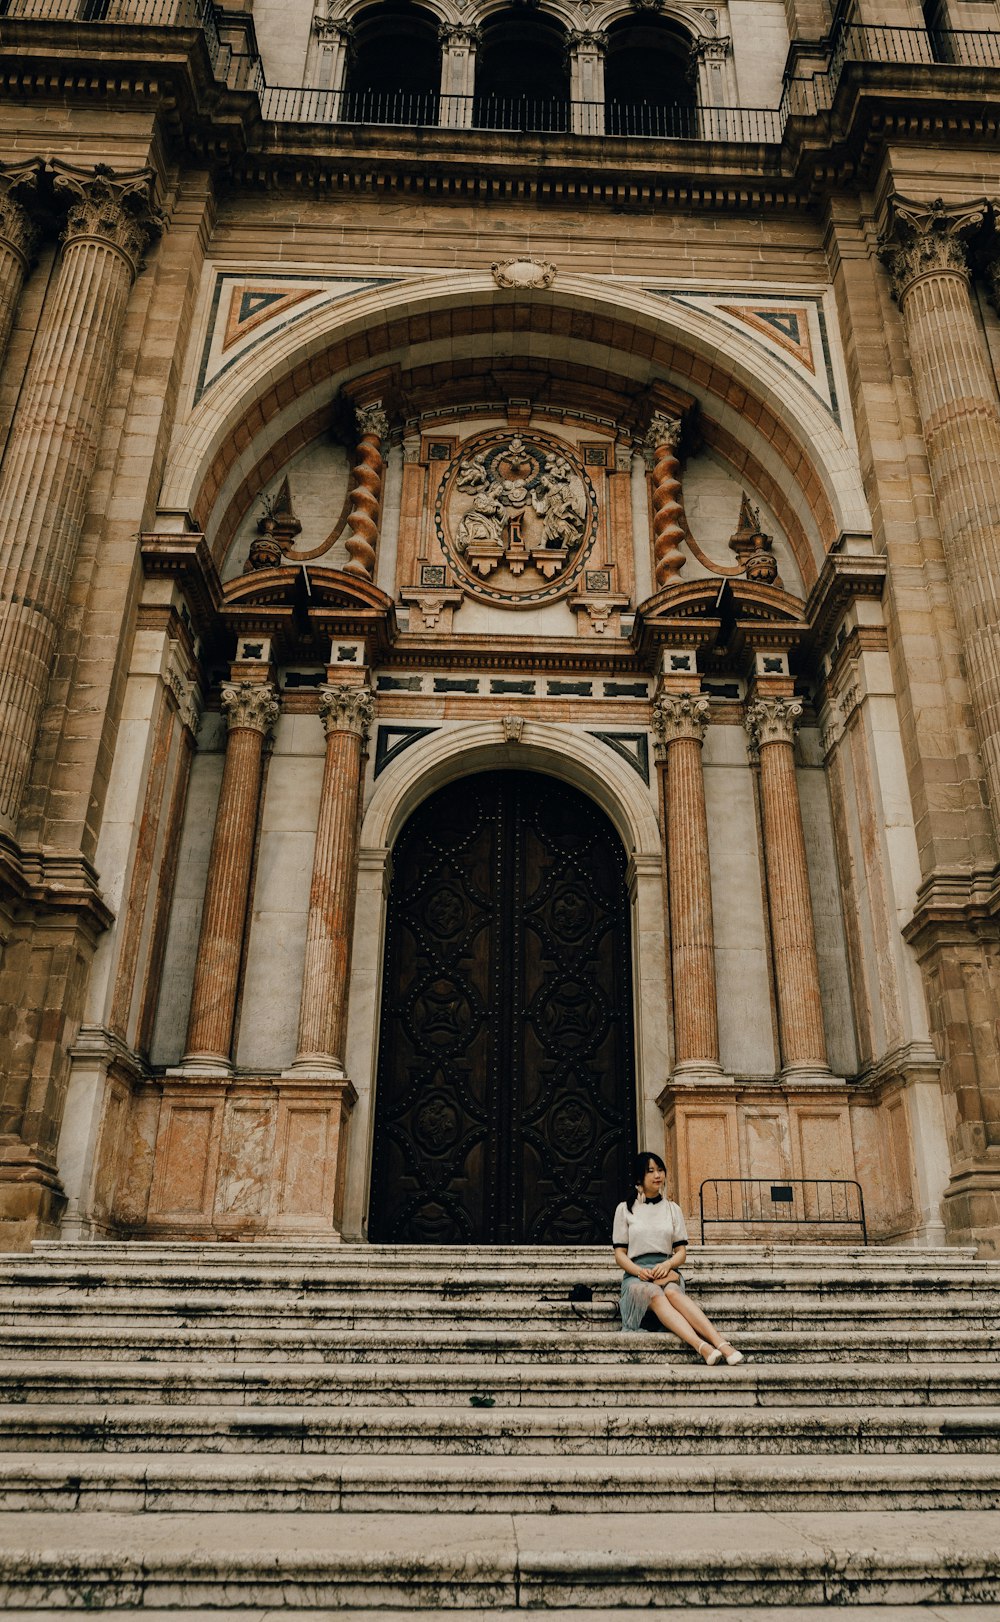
504	1110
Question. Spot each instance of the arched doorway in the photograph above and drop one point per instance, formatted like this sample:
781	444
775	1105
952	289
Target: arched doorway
505	1109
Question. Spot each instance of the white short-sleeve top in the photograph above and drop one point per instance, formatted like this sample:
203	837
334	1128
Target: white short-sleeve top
653	1228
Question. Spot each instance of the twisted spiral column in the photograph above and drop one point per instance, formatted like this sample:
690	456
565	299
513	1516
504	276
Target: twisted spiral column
251	709
53	444
771	724
363	518
18	235
346	713
660	449
680	721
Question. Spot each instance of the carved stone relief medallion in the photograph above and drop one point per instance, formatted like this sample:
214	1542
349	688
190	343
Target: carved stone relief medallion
516	517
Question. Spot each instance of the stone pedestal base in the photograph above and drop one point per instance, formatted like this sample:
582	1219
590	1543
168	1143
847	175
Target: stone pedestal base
972	1208
31	1196
239	1157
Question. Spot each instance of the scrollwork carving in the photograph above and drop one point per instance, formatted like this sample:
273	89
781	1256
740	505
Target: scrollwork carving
115	207
772	720
250	704
680	715
18	228
523	273
923	238
346	709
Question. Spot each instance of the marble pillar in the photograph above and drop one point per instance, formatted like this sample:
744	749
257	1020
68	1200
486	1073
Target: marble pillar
18	234
346	713
53	444
365	508
771	723
660	449
924	250
680	721
251	709
459	44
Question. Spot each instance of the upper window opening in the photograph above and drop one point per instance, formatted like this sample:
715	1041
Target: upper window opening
395	70
522	75
647	84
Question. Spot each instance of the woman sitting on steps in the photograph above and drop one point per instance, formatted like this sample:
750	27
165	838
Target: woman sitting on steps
650	1243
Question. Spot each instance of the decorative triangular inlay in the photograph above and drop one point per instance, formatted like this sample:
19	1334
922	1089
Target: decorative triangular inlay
788	327
632	746
391	741
250	307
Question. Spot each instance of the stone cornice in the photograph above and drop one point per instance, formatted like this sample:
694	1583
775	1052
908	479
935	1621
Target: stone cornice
60	882
843	577
187	559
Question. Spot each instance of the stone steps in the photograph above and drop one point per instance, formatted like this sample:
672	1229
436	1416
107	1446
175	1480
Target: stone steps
591	1484
574	1346
625	1432
519	1561
682	1381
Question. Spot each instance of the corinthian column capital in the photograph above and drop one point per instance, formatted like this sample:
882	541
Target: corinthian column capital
250	704
372	420
924	239
679	715
114	208
459	37
772	720
663	433
346	709
18	229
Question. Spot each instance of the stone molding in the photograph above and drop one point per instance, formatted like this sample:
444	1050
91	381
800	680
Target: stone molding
772	720
186	695
924	239
250	704
18	227
346	709
114	208
679	715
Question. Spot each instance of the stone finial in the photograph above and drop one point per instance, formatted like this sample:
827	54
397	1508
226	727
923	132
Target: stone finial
346	709
772	720
679	715
250	704
924	238
116	207
18	181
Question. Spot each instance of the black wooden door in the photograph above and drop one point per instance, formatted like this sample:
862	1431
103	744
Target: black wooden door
505	1100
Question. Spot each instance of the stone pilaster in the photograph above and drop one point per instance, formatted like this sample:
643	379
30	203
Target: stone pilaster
679	721
346	713
363	517
660	449
771	723
459	45
585	52
18	235
924	251
53	444
251	709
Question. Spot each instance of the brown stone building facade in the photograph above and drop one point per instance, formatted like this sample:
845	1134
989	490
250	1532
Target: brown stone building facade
500	626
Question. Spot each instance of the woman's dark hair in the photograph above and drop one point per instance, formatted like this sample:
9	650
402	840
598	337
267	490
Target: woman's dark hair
640	1166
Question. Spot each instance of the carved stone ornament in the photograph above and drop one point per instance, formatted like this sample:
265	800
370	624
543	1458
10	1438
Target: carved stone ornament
923	238
346	709
117	208
523	273
250	704
459	37
372	421
772	720
680	715
516	517
712	51
513	726
332	31
581	41
186	694
18	182
662	430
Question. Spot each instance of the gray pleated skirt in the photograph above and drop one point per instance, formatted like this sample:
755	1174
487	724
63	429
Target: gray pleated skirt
637	1295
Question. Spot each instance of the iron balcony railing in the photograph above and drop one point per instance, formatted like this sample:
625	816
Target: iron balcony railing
782	1202
802	96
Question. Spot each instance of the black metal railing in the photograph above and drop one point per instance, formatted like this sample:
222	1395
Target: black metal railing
782	1202
806	95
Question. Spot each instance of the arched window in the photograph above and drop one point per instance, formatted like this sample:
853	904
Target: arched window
394	76
522	76
647	86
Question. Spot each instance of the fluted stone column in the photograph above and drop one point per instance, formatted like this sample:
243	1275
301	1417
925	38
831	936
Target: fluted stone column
660	450
53	445
251	709
346	713
771	723
679	721
925	253
18	234
363	517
